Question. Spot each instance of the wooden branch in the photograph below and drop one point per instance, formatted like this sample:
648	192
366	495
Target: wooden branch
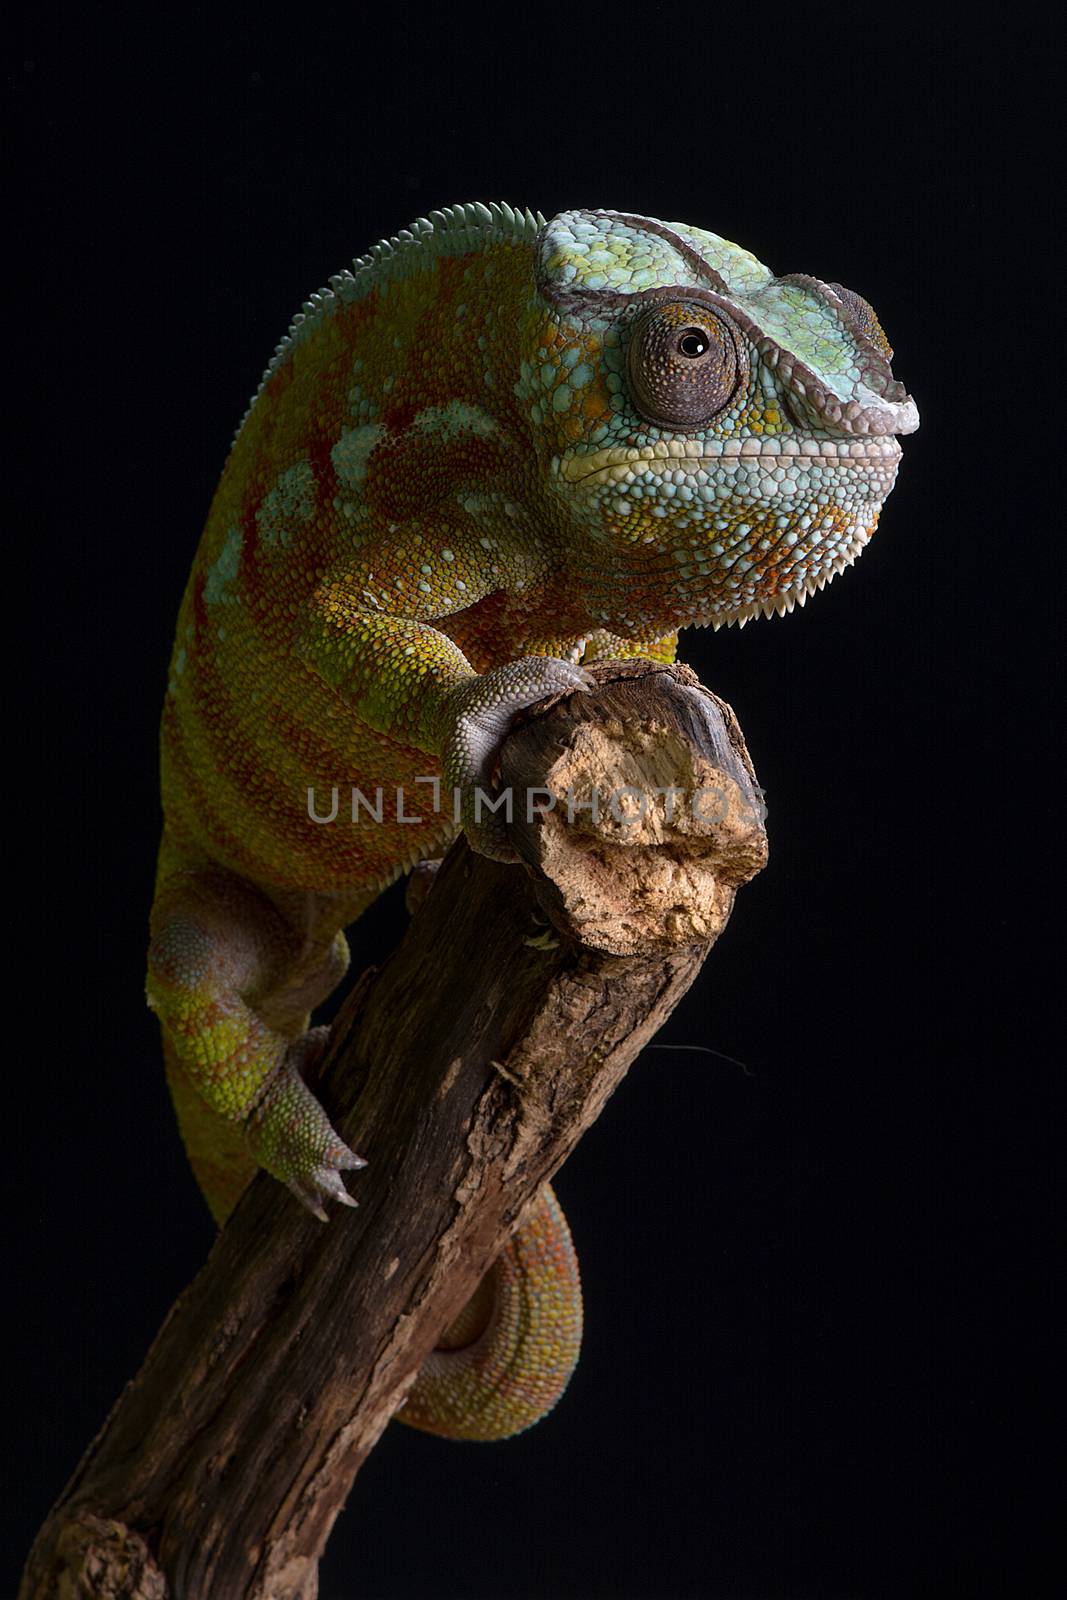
466	1070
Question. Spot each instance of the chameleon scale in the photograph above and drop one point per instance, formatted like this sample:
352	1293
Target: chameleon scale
493	449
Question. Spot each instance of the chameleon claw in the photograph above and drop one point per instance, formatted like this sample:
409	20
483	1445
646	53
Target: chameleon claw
308	1199
321	1181
346	1161
327	1178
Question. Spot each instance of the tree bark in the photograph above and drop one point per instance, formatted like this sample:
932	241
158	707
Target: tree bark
466	1070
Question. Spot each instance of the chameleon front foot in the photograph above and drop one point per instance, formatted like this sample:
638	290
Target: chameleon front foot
483	709
292	1137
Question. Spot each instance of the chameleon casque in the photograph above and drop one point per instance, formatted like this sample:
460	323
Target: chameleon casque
496	448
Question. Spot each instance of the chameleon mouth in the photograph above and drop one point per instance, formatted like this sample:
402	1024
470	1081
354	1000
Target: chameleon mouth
617	464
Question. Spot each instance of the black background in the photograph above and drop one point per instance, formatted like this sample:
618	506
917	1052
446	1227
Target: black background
816	1320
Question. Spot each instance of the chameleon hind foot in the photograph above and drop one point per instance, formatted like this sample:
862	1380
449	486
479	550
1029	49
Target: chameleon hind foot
291	1136
482	709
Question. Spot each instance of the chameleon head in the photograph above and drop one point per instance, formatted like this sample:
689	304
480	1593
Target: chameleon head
734	432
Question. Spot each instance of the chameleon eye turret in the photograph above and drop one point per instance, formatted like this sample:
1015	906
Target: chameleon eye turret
682	365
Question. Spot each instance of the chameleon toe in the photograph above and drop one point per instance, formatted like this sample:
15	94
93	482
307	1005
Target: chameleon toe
329	1181
483	709
308	1199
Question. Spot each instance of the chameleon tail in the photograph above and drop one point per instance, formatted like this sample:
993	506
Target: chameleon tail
508	1356
506	1359
218	1150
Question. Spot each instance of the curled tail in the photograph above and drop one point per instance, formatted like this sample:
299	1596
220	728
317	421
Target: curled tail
508	1356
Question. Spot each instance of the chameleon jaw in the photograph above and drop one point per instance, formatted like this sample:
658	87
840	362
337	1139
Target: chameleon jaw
621	464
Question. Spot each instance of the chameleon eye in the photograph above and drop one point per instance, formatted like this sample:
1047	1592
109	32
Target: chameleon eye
682	365
693	342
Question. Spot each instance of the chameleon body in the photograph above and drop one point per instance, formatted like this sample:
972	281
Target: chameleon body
495	448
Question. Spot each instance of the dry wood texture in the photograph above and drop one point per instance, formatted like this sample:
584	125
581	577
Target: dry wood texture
466	1070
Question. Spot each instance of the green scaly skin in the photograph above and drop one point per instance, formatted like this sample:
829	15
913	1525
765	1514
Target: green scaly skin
495	449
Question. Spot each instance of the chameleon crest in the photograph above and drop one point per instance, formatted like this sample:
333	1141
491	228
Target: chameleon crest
493	449
740	428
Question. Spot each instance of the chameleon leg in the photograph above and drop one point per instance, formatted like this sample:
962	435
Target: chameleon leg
221	966
509	1355
404	677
